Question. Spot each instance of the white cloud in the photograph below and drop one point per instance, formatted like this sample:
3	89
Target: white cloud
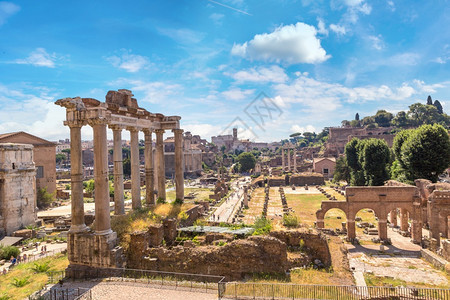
429	88
319	98
237	94
39	58
376	41
129	62
302	129
292	44
217	18
260	74
338	29
182	35
403	59
7	9
204	130
321	28
353	2
32	111
153	91
391	5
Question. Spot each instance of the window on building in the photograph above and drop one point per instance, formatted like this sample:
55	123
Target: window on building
39	172
325	171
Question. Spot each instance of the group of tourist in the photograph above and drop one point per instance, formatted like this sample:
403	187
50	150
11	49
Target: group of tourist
22	258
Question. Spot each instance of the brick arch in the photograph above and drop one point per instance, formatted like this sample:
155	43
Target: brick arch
380	199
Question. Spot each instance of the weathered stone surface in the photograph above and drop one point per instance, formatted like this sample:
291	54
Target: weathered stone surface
315	242
92	250
234	260
170	230
17	187
156	235
122	98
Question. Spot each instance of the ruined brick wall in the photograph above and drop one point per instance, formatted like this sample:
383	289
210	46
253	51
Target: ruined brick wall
307	178
314	241
234	260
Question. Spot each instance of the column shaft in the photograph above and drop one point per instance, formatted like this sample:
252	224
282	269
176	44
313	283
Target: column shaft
102	211
404	219
161	164
289	159
393	217
351	230
76	172
282	159
149	184
135	174
119	208
179	180
295	160
382	229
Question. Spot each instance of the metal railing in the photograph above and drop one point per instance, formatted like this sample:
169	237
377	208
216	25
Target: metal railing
238	290
199	282
58	293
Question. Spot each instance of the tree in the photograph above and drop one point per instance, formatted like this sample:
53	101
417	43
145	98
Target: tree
368	161
342	171
438	106
424	114
383	118
357	117
60	158
351	154
426	152
247	161
127	167
429	100
401	120
374	157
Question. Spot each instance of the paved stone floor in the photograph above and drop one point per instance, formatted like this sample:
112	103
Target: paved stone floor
401	260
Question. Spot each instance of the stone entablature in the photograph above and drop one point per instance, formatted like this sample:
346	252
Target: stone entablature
382	200
17	187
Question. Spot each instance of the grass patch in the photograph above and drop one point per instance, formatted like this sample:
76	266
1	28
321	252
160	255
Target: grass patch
24	272
141	219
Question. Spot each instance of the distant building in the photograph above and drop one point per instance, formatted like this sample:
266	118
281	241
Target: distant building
17	187
324	166
44	155
232	143
340	136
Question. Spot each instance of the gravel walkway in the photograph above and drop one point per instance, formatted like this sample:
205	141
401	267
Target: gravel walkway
128	290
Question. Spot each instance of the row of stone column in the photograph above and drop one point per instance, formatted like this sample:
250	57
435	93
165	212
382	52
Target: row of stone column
283	160
102	210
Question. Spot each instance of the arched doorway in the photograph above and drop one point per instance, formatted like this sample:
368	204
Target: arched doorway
336	219
366	222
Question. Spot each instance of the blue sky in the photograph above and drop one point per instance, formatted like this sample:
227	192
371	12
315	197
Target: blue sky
319	62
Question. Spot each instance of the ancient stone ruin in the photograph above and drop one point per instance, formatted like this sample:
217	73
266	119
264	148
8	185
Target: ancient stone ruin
382	200
17	187
98	248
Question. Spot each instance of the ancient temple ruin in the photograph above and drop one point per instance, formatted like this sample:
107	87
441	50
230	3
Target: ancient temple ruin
98	248
287	157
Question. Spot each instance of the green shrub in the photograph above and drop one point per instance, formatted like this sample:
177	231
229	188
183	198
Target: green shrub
41	267
7	251
177	202
20	282
160	200
262	226
44	198
183	215
290	220
4	297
